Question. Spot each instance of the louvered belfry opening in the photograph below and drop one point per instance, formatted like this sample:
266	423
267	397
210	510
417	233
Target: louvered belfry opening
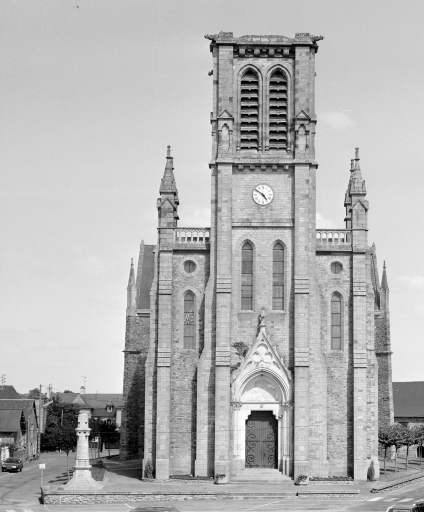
278	111
249	111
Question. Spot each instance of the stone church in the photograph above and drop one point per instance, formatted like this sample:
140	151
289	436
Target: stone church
259	345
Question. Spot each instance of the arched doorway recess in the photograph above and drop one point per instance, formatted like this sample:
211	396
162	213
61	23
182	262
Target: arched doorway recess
262	409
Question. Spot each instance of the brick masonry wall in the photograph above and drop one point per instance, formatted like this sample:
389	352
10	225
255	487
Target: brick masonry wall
184	361
132	427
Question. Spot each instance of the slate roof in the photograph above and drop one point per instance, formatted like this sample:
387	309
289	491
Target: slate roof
8	392
96	401
408	399
22	404
10	420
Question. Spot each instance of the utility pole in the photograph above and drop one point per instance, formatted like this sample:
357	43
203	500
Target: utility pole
40	412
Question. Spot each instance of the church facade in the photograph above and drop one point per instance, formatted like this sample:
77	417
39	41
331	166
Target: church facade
261	341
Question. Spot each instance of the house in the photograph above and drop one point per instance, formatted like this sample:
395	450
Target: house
18	428
102	406
408	403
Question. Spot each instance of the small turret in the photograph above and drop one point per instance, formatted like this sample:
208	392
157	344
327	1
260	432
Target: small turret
131	293
167	203
356	205
384	291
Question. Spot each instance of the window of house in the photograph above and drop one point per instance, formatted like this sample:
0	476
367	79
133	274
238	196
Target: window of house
336	322
189	338
247	276
249	111
277	121
278	277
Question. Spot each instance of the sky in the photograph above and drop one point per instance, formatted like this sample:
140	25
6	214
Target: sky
92	92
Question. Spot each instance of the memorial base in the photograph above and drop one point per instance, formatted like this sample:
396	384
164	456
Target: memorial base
82	480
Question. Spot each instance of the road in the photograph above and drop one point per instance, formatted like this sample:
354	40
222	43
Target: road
20	492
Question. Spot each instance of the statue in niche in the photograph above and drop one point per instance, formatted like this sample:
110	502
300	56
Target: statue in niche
225	138
301	139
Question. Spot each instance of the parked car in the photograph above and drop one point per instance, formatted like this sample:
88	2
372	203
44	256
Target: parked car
12	464
418	506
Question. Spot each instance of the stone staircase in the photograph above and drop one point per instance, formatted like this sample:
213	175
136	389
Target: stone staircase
258	475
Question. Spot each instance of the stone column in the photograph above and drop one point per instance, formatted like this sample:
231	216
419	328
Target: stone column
82	478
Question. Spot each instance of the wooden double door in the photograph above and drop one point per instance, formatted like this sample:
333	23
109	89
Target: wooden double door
261	440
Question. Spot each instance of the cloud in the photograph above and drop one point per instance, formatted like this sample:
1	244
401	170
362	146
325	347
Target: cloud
413	282
323	223
337	120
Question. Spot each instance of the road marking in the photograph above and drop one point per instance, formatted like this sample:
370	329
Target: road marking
128	506
259	506
375	499
392	499
407	499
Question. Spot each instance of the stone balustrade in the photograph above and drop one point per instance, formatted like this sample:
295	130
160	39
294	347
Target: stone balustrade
332	237
191	235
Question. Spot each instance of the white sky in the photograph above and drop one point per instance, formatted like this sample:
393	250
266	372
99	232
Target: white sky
89	99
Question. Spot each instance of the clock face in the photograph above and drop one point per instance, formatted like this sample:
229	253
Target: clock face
263	194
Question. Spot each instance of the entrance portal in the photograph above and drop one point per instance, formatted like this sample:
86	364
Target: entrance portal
261	440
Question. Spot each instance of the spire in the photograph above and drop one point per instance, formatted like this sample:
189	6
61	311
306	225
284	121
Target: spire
384	283
131	291
168	181
356	184
131	279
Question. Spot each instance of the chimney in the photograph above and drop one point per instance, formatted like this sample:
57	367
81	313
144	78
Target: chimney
82	390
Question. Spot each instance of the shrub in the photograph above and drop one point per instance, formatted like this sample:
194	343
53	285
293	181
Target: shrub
148	469
302	478
371	472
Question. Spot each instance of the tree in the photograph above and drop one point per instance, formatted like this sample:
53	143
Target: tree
105	430
59	433
33	393
391	435
410	435
419	433
385	440
398	438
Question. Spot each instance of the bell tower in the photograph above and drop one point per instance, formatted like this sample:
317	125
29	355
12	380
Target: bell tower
263	193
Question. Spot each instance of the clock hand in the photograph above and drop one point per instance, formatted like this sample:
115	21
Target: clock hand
263	195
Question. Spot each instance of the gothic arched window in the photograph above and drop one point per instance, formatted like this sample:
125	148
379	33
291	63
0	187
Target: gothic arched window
277	111
189	333
247	276
278	277
249	110
336	322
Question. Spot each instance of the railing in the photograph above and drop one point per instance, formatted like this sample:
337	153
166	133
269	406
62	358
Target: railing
333	236
189	235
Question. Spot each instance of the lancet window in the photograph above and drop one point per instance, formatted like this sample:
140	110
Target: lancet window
189	333
278	277
247	276
336	322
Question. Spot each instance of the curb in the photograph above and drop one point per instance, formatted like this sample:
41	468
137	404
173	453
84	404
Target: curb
398	485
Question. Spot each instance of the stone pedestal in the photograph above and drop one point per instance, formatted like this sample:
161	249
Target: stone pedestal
82	478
